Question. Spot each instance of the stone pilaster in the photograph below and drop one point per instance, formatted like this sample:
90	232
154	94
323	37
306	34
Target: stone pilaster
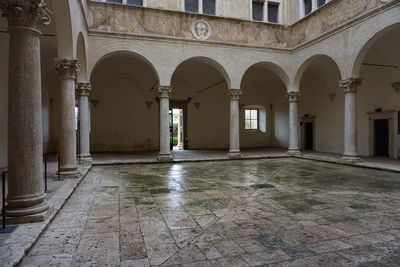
83	90
164	93
234	132
26	199
294	124
67	69
350	118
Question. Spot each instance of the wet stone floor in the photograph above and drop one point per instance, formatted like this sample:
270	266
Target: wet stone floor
280	212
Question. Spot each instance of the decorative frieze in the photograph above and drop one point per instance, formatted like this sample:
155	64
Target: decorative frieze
26	13
67	68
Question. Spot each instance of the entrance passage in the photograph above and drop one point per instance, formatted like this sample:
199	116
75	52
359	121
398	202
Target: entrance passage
177	129
381	137
309	135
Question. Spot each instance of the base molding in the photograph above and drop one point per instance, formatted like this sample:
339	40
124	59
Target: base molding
234	155
33	218
165	158
351	159
294	152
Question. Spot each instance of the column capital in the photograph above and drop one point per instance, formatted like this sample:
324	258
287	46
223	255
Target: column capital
164	91
350	85
293	96
83	88
67	68
26	13
234	94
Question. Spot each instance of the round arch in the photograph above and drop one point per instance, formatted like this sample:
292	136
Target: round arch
207	60
366	42
62	17
125	53
305	65
277	70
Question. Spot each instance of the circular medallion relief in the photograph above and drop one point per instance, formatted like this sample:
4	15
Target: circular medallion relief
201	29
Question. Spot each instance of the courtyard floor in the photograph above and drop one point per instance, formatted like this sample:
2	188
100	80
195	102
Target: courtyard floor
279	212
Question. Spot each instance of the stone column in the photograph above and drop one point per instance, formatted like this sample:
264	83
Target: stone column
234	133
26	199
165	151
67	69
84	90
350	118
294	125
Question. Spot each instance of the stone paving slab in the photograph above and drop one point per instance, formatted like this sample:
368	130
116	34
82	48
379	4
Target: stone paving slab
277	212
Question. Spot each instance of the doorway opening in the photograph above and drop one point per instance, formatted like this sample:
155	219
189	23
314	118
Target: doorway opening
381	137
177	129
309	136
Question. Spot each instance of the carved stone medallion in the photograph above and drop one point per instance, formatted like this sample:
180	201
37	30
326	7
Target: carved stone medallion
201	30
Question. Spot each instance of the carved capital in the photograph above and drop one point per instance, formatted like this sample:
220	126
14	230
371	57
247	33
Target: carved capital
67	68
234	94
350	85
83	89
293	97
26	13
164	91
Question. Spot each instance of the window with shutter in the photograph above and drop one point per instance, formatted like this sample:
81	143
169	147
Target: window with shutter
258	10
273	12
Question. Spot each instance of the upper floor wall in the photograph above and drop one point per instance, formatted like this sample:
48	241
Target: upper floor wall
154	22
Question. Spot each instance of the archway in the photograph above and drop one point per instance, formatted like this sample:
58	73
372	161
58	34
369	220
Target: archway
321	108
124	108
264	107
201	84
378	64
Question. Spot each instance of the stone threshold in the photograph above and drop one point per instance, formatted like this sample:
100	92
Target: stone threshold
22	239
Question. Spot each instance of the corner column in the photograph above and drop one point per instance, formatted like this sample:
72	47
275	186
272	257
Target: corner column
234	133
67	69
83	90
165	152
294	146
26	199
350	118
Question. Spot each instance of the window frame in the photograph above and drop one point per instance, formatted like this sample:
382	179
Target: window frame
125	2
266	4
251	119
200	8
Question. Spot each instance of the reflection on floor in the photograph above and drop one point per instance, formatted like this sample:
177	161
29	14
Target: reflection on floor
240	213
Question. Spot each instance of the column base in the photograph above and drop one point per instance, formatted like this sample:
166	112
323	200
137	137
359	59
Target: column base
351	158
28	215
235	155
165	158
294	152
86	158
69	173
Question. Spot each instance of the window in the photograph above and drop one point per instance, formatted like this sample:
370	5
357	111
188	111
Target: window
251	119
321	3
273	12
258	10
135	2
114	1
192	6
307	6
209	7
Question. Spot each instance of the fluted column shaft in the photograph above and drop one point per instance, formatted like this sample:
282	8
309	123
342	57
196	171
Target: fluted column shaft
84	90
26	199
234	126
165	151
67	69
350	118
294	129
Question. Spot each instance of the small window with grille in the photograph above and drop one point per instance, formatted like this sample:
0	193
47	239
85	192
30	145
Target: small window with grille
258	10
209	7
273	12
192	6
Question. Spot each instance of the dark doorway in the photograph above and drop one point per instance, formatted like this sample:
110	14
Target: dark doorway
381	137
309	136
